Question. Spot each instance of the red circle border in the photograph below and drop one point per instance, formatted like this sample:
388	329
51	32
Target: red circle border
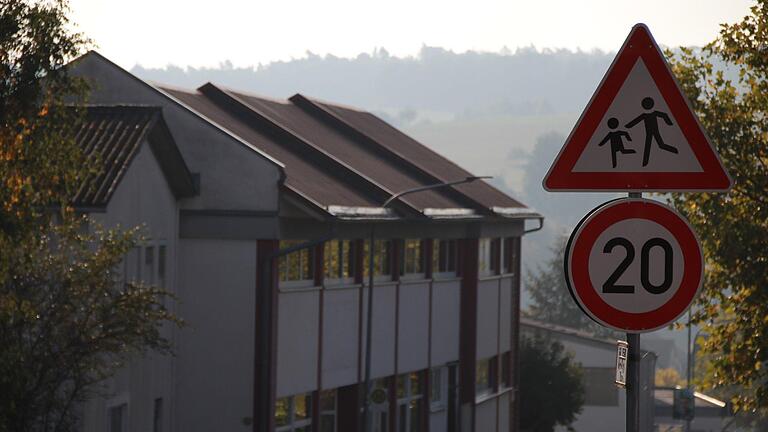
578	265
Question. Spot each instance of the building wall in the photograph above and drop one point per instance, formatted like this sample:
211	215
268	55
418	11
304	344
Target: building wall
142	198
215	351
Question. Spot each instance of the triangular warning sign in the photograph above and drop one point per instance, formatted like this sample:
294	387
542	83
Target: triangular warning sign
638	132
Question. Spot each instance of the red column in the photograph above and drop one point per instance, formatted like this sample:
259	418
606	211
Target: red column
265	336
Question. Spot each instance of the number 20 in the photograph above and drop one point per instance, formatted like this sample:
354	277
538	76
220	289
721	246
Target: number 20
610	286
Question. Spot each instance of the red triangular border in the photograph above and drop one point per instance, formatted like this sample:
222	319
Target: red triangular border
639	44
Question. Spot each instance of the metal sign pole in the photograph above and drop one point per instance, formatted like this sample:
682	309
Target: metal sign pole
633	372
633	383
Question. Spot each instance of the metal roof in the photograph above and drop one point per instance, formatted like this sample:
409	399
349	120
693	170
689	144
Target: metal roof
337	157
110	136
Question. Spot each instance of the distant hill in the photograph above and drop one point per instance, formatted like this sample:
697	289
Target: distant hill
523	82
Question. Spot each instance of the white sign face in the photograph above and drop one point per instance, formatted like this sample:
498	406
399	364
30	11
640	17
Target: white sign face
616	265
634	265
633	138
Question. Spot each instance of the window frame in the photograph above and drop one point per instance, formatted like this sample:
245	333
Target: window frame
444	255
438	379
322	412
295	424
284	261
489	387
417	259
407	398
348	259
383	254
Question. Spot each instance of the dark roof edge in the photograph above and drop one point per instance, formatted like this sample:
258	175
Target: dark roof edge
214	92
310	104
171	161
213	124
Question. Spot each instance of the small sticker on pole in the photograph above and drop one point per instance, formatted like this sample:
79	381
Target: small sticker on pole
622	351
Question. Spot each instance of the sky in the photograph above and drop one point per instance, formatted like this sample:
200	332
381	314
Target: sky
155	33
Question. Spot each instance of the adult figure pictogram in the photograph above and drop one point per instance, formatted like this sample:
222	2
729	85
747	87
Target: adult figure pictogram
651	121
617	143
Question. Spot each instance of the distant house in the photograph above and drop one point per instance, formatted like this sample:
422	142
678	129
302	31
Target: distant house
605	405
710	414
224	181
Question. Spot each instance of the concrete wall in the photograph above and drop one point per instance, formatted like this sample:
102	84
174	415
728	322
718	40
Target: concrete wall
142	198
215	362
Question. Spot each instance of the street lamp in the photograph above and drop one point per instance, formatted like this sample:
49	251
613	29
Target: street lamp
369	319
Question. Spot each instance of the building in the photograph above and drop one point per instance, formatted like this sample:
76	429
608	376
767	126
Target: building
224	181
709	414
605	404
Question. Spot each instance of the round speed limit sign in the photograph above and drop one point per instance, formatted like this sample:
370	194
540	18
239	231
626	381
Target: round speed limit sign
634	265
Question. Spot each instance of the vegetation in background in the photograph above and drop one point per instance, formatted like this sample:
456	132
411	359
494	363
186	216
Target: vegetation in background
552	391
668	377
66	319
733	227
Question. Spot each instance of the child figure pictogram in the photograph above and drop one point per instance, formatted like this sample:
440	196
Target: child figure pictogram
615	137
651	122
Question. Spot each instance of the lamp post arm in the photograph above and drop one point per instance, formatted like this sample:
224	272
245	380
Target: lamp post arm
469	179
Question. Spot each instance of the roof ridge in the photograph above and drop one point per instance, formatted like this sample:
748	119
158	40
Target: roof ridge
400	157
210	88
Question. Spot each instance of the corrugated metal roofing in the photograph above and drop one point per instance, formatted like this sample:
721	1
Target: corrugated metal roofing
339	157
110	136
420	155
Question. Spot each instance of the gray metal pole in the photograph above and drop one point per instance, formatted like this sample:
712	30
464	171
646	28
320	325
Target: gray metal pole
368	332
633	372
633	383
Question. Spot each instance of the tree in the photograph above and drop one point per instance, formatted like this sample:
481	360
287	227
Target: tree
668	377
551	386
732	104
66	319
551	301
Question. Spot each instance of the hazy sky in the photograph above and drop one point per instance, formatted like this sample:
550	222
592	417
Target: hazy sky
193	32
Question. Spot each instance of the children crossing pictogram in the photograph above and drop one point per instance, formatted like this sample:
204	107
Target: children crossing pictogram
602	153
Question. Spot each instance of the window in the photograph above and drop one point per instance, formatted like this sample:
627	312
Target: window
339	258
485	379
509	255
506	369
149	264
379	409
599	386
328	411
296	268
412	259
484	265
157	416
161	258
409	402
382	264
438	388
118	418
294	413
444	258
